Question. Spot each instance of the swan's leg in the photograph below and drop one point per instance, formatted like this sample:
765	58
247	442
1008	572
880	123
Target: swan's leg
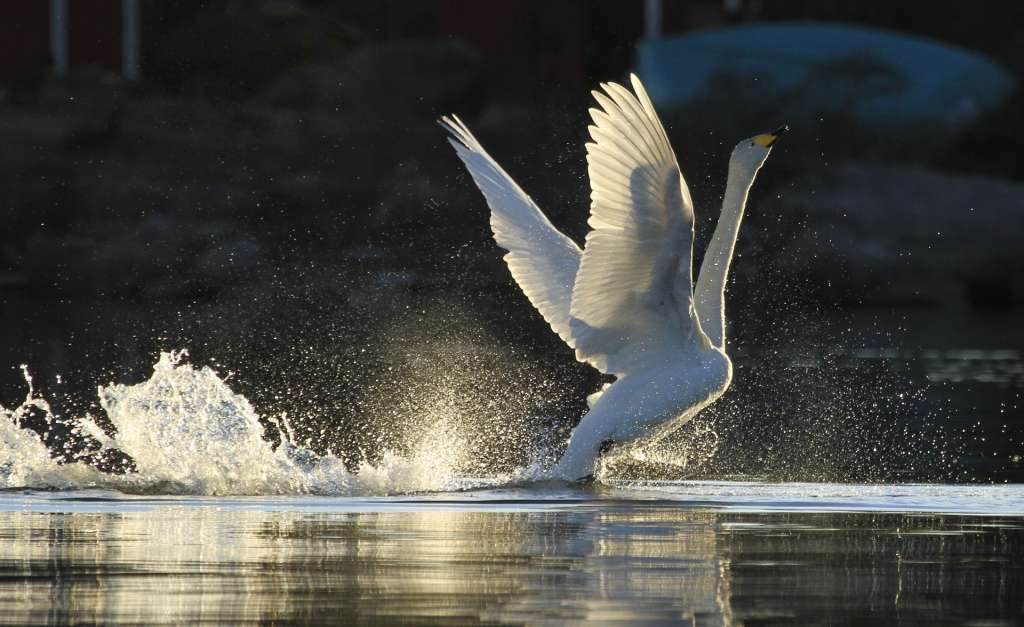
631	411
593	435
585	445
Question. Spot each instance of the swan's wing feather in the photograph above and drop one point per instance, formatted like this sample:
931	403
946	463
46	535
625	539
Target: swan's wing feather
633	290
543	261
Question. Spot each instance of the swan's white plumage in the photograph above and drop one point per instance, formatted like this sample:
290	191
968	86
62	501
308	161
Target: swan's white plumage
633	291
542	260
626	302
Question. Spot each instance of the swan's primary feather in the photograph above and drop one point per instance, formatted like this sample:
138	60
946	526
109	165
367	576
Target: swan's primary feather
633	291
543	261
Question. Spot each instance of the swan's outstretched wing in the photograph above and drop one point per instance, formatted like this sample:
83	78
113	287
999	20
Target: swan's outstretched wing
633	292
543	261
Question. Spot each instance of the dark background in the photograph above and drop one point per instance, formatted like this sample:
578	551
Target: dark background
275	196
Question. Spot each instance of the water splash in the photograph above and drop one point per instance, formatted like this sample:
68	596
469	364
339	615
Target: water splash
681	453
189	433
24	459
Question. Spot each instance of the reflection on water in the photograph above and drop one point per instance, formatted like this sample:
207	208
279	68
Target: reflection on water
1003	367
536	563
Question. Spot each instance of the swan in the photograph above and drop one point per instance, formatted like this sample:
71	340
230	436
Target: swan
625	302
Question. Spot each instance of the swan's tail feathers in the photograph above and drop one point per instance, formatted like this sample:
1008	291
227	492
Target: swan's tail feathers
542	260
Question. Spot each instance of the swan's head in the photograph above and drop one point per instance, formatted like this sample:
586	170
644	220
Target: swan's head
749	154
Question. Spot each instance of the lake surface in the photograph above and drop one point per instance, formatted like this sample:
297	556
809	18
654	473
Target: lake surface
408	538
690	553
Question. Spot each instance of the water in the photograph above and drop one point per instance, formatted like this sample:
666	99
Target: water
186	431
210	516
705	553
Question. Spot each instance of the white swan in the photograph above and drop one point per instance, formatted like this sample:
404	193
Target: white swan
625	302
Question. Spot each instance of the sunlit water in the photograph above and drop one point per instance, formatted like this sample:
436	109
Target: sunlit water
672	553
216	522
188	432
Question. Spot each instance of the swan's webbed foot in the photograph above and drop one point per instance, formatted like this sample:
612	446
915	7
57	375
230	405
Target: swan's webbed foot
603	449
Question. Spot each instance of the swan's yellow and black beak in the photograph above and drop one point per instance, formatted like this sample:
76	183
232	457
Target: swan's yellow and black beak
766	140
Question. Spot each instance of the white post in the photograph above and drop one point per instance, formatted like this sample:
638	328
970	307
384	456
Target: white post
652	19
59	37
131	64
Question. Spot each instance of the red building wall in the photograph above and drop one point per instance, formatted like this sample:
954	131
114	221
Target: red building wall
94	37
25	41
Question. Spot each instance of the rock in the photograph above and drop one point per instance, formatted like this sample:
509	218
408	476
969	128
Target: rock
247	45
316	84
162	255
395	77
410	76
901	234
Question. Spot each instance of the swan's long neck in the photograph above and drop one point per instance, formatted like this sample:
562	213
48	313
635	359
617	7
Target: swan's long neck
714	271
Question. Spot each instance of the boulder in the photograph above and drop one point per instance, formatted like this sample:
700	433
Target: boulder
410	76
892	234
